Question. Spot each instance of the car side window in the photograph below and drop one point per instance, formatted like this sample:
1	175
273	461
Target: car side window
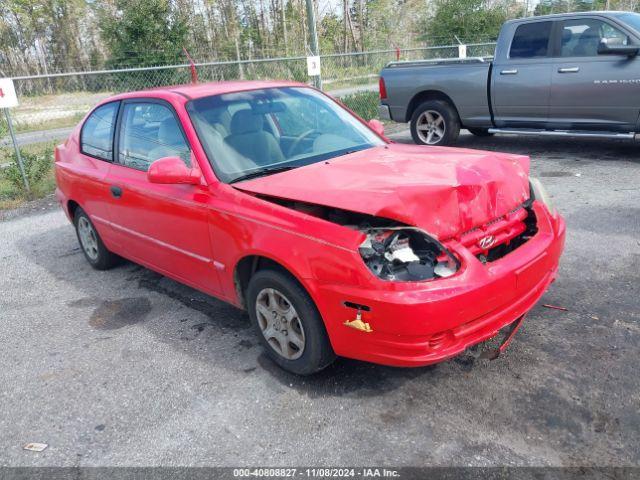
531	40
581	37
150	131
96	137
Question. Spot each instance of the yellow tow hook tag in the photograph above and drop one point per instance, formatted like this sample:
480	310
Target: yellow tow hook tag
358	324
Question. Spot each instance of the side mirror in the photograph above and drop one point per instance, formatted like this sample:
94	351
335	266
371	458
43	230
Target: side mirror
376	126
172	170
626	50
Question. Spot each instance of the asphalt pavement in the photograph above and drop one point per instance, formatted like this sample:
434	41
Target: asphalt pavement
126	367
39	136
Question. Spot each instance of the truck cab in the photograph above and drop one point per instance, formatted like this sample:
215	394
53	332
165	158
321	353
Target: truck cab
560	72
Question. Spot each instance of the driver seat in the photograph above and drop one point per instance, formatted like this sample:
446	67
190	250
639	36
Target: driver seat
587	43
250	140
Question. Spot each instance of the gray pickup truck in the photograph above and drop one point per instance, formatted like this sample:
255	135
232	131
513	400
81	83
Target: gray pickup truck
572	74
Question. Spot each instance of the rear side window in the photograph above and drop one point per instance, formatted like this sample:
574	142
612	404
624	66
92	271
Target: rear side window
531	40
149	132
96	137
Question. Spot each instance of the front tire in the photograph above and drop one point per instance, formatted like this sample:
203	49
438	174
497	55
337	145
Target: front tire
435	123
92	246
288	323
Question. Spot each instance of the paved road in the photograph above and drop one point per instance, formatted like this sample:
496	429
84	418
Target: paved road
28	138
129	368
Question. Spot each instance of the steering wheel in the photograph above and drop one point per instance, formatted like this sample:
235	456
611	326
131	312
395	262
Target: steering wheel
296	143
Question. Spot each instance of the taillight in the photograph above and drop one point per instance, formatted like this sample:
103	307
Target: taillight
383	89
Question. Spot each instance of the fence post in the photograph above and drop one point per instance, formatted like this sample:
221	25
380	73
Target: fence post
17	149
313	34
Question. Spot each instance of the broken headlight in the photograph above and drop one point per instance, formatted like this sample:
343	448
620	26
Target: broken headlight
406	254
538	192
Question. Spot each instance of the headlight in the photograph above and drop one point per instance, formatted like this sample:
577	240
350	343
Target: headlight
406	254
538	192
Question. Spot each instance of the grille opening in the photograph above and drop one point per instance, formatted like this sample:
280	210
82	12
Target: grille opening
530	229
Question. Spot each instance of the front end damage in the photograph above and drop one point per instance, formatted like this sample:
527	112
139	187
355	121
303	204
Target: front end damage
424	322
437	268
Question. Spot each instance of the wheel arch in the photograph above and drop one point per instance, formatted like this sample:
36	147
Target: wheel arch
425	96
249	264
72	207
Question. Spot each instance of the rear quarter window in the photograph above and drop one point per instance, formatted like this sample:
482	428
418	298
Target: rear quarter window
531	40
96	137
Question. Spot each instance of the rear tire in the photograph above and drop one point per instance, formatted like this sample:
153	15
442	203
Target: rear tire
480	132
435	123
288	323
91	244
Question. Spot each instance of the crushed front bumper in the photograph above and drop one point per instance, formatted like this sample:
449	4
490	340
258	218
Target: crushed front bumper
418	324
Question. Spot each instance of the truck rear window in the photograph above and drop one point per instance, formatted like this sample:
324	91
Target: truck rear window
531	40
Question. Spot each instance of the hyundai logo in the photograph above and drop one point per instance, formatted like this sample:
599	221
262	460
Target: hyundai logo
486	242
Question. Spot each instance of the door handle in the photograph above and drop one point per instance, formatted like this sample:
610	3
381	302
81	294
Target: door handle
116	191
569	70
509	72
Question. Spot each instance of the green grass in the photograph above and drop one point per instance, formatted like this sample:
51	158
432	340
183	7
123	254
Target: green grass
48	124
12	196
365	104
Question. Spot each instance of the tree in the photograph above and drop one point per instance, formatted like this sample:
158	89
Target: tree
467	19
143	33
546	7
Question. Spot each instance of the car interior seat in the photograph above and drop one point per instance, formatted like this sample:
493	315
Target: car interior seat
250	140
170	142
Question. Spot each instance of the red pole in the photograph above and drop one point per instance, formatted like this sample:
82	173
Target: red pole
398	53
194	73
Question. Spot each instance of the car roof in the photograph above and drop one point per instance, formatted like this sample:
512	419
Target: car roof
199	90
555	16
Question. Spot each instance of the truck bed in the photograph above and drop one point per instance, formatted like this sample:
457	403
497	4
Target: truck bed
463	81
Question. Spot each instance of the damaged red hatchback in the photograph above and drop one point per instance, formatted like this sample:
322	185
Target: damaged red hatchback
272	196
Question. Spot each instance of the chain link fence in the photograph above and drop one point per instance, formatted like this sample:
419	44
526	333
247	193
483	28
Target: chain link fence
59	100
51	105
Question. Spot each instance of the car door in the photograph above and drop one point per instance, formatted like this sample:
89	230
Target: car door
590	90
162	226
91	167
521	77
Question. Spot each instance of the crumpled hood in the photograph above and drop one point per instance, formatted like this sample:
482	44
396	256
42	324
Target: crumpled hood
445	191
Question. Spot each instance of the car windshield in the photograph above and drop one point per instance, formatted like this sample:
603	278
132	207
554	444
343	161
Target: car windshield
631	19
259	132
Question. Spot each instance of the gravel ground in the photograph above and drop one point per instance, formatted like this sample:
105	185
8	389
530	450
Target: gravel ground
126	367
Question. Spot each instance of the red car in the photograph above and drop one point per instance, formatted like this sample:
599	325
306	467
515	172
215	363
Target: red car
275	198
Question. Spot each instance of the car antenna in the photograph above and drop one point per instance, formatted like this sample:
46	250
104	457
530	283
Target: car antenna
194	73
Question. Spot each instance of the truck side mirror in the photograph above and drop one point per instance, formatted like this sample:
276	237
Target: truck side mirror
626	50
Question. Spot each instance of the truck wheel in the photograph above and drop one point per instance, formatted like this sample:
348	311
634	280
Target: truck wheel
94	250
480	132
288	323
435	123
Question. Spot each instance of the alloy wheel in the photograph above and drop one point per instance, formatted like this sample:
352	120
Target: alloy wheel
280	323
431	127
88	238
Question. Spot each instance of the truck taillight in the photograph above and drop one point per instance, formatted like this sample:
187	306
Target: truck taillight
383	89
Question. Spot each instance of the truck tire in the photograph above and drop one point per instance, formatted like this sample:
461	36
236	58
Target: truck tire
480	132
435	122
288	323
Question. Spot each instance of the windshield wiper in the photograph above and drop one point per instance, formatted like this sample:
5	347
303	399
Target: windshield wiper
261	173
351	150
